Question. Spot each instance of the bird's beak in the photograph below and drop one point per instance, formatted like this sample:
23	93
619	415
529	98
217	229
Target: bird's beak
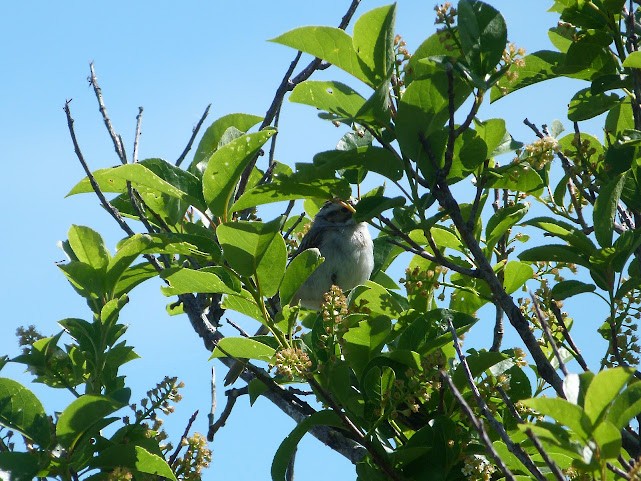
347	205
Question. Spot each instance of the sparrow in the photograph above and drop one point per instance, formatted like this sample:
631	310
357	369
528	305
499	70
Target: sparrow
348	250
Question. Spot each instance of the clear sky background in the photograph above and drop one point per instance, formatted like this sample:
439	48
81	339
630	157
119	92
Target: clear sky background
174	58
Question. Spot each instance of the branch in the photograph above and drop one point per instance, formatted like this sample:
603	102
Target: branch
194	133
514	448
287	84
445	198
232	395
566	334
117	141
94	185
548	333
134	156
174	456
478	425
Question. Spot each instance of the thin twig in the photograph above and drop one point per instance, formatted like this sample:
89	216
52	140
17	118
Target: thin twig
478	425
618	471
558	474
134	155
174	456
514	448
240	330
94	184
548	333
287	84
232	395
194	133
214	400
566	334
93	80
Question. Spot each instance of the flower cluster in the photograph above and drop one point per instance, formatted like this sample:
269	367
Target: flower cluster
541	152
477	468
292	363
159	398
422	282
27	336
197	457
120	474
445	14
513	56
334	306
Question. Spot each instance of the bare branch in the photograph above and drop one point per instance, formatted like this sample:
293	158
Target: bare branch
232	395
174	456
194	133
134	156
117	141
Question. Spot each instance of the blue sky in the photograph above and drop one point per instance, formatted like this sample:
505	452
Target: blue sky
172	58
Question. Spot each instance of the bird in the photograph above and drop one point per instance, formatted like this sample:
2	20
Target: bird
348	250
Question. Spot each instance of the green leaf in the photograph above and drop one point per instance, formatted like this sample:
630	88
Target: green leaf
144	180
374	41
88	246
585	105
478	363
245	304
519	177
563	412
377	385
539	66
184	281
503	220
565	231
22	411
331	44
378	299
608	437
483	35
633	60
292	187
564	289
255	248
214	133
515	275
369	207
494	133
83	413
365	340
16	466
288	447
299	269
603	389
554	253
626	406
226	165
375	159
334	97
429	331
423	109
134	457
605	209
619	118
243	347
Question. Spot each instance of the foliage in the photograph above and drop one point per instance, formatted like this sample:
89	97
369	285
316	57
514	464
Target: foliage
386	361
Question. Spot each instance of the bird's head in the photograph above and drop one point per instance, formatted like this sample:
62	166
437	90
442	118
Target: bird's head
336	212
